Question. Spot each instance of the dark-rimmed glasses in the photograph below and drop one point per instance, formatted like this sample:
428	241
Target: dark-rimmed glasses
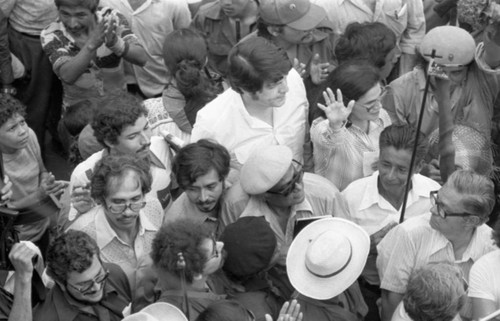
435	202
88	285
120	208
289	187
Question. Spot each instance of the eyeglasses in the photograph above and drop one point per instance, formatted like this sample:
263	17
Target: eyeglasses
88	285
435	202
120	208
371	108
289	187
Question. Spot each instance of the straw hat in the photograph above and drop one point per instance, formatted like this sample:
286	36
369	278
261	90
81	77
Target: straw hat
326	257
157	312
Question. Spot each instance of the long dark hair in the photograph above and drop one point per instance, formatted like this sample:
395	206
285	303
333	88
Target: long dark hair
185	54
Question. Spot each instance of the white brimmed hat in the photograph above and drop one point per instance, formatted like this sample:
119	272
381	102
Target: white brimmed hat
326	257
157	312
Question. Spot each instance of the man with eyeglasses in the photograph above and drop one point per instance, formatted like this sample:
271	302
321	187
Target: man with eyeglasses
455	232
273	185
85	287
125	221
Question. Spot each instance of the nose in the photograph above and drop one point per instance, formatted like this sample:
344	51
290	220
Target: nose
145	137
284	87
72	23
392	173
203	195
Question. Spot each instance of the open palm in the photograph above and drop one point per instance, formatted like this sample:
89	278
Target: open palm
335	110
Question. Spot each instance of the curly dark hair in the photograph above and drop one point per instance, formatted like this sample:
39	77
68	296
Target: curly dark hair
88	4
369	40
10	106
180	236
72	251
197	159
114	167
117	112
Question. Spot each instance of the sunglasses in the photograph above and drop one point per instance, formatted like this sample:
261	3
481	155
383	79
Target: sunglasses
440	210
289	187
85	287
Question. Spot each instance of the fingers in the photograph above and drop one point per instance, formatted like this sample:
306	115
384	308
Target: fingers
284	308
6	192
294	309
269	318
21	255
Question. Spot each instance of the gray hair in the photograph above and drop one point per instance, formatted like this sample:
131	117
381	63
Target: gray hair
435	292
478	196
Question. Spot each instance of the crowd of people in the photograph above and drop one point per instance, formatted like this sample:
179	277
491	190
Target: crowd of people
250	160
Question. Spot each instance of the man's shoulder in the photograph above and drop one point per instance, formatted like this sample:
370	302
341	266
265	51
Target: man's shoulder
316	185
178	208
221	108
426	182
85	168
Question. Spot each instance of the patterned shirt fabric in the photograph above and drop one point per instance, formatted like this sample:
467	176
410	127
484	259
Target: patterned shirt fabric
404	17
29	16
322	198
346	154
372	211
151	22
112	248
103	76
226	120
415	243
166	113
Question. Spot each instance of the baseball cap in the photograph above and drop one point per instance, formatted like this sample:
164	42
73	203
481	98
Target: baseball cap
298	14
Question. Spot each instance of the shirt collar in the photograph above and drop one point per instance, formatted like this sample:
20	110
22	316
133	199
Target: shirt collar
105	233
214	11
372	195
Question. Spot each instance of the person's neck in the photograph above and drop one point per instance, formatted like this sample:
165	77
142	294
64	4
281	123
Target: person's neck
200	283
364	125
127	235
395	198
257	110
460	241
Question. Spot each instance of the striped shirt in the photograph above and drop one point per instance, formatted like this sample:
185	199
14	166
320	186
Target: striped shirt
346	154
415	243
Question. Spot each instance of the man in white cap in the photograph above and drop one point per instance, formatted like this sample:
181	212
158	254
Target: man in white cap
156	312
323	263
303	30
273	185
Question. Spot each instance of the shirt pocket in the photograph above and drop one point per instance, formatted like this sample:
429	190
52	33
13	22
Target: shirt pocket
396	16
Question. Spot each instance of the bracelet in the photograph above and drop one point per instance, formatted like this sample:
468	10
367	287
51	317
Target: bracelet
8	90
119	47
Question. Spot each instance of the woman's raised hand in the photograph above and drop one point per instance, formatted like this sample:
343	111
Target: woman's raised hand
335	110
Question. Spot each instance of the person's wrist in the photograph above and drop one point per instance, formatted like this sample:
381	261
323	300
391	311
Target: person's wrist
119	48
8	89
336	125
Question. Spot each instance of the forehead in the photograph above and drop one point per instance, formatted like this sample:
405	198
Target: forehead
128	182
87	275
74	9
450	198
395	156
14	119
137	126
209	178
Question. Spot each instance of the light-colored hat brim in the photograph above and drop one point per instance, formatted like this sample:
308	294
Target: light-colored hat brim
157	312
310	20
321	288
